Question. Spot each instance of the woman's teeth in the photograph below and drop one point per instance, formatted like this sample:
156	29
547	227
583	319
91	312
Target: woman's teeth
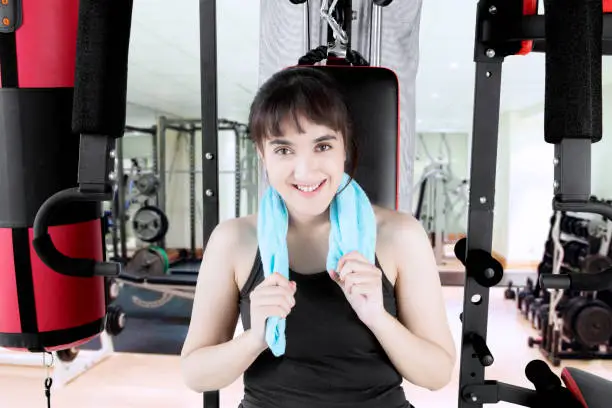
307	188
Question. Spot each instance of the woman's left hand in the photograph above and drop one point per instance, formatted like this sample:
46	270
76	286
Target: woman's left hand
361	283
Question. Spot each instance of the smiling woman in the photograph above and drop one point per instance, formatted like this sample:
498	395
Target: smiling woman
354	331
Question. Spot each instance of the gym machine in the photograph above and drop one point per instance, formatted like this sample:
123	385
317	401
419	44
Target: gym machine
571	324
573	35
441	197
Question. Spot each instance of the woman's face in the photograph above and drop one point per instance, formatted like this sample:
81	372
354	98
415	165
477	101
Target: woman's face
305	168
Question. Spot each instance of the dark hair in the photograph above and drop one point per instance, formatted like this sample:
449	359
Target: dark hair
301	92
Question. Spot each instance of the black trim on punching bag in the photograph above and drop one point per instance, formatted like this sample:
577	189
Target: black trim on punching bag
48	155
8	56
25	284
34	341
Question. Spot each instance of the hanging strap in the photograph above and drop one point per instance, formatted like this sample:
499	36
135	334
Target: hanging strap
319	54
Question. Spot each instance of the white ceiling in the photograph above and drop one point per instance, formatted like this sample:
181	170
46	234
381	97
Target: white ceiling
164	63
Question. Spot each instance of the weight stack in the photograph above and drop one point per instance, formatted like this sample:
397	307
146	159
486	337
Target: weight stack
41	309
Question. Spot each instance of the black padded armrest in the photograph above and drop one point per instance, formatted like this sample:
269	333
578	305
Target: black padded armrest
182	280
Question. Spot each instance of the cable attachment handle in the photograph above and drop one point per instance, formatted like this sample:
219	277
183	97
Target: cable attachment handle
48	379
341	44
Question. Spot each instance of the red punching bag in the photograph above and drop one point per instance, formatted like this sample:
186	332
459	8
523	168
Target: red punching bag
52	291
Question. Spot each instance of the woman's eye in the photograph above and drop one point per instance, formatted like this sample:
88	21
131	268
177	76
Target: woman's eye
324	147
282	151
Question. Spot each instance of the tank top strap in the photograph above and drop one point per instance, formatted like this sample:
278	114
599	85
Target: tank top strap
256	276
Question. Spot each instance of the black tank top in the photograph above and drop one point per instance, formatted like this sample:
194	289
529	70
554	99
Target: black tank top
331	360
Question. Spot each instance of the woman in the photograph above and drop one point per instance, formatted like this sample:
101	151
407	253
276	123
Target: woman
353	334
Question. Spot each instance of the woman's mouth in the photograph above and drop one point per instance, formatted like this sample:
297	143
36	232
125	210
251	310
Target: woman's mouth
309	189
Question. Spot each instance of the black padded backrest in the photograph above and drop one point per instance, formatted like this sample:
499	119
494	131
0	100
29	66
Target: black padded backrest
372	94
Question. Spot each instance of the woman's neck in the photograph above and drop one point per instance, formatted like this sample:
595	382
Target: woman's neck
308	223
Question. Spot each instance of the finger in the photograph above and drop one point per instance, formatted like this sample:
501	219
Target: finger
359	278
276	279
364	289
285	302
272	297
356	266
275	311
272	291
353	255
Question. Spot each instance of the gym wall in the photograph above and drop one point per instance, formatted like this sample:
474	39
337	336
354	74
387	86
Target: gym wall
524	180
282	43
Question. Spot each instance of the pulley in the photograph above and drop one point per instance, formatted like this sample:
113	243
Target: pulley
149	223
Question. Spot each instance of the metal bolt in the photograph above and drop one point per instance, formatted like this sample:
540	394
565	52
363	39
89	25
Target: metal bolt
492	9
555	161
489	74
209	156
112	176
209	193
474	397
489	273
483	200
556	185
490	53
112	154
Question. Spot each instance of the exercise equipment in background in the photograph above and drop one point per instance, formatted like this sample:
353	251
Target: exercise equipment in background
441	197
571	324
572	35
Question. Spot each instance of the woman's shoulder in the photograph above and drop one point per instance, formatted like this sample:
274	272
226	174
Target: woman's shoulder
396	231
238	237
396	225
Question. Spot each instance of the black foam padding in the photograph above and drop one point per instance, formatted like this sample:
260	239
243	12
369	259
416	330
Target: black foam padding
132	277
573	96
39	156
372	96
181	280
542	377
185	267
100	85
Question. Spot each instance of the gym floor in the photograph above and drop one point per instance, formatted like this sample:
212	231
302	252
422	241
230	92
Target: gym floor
131	380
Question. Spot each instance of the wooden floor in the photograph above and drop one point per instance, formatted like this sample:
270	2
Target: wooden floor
151	381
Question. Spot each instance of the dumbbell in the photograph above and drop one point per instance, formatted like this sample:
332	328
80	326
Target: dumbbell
534	308
541	317
527	290
509	293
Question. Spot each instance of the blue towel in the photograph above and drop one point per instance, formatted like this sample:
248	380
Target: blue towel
353	228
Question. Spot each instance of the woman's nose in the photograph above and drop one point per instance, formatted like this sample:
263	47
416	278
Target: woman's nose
306	164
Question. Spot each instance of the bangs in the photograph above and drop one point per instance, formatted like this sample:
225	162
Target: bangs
283	107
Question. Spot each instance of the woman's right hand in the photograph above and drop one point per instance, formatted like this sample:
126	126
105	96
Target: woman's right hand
272	297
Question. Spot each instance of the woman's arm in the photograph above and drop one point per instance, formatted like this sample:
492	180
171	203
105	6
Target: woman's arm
211	358
420	344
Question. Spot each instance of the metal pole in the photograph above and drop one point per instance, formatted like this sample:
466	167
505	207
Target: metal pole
306	27
376	35
192	192
210	152
121	200
161	162
237	174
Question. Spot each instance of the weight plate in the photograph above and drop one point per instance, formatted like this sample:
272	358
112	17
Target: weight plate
150	224
593	324
149	262
146	184
596	263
